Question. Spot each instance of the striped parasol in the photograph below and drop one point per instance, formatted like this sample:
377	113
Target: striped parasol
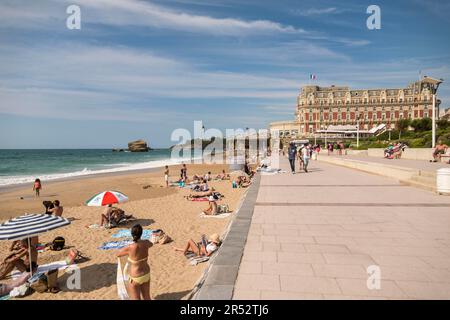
106	197
30	225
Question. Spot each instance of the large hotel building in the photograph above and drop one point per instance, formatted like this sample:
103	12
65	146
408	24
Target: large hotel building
320	107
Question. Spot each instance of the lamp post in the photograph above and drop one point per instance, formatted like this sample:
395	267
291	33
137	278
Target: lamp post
357	132
433	128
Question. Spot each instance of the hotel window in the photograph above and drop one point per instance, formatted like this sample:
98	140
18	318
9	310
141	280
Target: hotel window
330	116
366	117
365	100
339	117
310	117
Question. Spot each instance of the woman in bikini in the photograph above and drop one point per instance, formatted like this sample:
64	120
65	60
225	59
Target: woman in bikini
202	248
139	270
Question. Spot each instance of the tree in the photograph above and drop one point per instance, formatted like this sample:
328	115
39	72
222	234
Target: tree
424	124
443	124
402	125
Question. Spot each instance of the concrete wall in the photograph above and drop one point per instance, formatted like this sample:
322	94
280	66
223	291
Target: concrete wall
400	173
356	152
418	153
410	153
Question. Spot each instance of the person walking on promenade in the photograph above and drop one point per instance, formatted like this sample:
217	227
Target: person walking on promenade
330	148
305	157
292	153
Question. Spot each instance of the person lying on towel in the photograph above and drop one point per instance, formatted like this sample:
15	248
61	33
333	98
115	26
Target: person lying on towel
202	248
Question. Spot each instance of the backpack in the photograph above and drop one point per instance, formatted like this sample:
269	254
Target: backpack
58	244
223	208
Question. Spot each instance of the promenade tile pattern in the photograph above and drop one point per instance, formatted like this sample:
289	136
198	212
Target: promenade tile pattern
313	236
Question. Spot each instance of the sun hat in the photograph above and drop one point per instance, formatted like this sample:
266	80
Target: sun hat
211	198
214	238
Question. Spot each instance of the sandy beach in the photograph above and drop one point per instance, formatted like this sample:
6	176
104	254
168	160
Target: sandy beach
156	207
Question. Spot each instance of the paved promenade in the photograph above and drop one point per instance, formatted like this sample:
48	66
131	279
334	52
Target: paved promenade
312	236
407	163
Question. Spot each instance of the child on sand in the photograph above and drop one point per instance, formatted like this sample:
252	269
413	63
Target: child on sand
166	176
37	186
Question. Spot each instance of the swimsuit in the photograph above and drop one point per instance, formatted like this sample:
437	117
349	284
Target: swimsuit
139	279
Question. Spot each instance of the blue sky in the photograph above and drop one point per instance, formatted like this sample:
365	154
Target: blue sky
140	69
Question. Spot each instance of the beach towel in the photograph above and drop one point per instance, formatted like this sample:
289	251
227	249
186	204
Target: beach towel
121	282
126	233
199	199
60	265
196	260
217	216
115	244
94	226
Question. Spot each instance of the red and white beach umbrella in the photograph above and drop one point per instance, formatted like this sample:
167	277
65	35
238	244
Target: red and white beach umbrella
105	198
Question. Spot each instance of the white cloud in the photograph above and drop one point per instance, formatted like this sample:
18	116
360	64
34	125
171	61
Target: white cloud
316	11
138	13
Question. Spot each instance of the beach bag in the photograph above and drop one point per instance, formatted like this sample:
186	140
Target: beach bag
21	291
156	236
58	244
38	282
164	239
223	208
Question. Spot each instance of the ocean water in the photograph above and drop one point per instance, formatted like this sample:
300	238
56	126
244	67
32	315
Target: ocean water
24	166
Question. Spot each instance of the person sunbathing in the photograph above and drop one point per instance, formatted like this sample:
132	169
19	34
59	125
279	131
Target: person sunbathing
212	208
57	209
139	270
201	194
223	176
106	217
114	216
202	248
20	258
248	170
243	182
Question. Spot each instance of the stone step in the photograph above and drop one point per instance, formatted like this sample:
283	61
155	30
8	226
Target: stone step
425	180
426	186
431	174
